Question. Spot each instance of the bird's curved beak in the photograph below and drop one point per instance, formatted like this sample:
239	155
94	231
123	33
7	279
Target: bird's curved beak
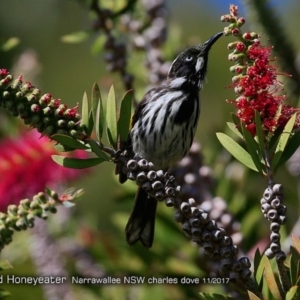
207	45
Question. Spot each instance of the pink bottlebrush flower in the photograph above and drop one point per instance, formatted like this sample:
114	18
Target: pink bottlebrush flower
26	168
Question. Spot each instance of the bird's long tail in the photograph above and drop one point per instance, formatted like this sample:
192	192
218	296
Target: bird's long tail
140	226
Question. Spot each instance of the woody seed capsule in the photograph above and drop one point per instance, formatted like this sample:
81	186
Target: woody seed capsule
151	175
275	247
185	208
206	235
245	273
275	203
194	222
272	214
143	164
196	231
131	175
237	266
207	246
178	216
159	196
245	262
281	219
132	165
217	234
204	219
186	228
275	237
141	176
195	211
281	209
227	241
278	189
192	202
211	225
146	186
226	263
225	251
275	227
157	185
170	191
160	174
268	194
170	201
265	207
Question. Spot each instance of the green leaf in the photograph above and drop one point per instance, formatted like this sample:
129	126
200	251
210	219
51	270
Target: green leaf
282	142
252	147
294	262
97	150
252	296
76	163
100	120
62	148
4	294
212	296
236	150
98	111
75	37
236	120
96	97
10	43
68	141
291	147
111	118
291	293
234	129
276	118
4	264
85	111
296	242
271	281
125	117
258	266
259	132
48	191
90	126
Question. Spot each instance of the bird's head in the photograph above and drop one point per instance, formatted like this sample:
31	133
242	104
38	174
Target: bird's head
191	65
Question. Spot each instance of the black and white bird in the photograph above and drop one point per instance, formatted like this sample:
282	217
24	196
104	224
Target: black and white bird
163	128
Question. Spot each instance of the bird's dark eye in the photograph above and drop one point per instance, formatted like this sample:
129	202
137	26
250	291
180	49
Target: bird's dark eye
189	58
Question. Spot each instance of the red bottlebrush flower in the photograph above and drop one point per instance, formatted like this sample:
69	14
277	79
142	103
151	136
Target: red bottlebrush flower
26	168
259	89
3	72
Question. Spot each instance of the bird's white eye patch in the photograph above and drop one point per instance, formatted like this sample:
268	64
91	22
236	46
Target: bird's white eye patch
199	64
189	58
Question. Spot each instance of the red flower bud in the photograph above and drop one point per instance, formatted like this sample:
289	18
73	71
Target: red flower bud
231	46
235	31
3	73
247	36
71	112
240	46
241	21
45	99
239	69
35	108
